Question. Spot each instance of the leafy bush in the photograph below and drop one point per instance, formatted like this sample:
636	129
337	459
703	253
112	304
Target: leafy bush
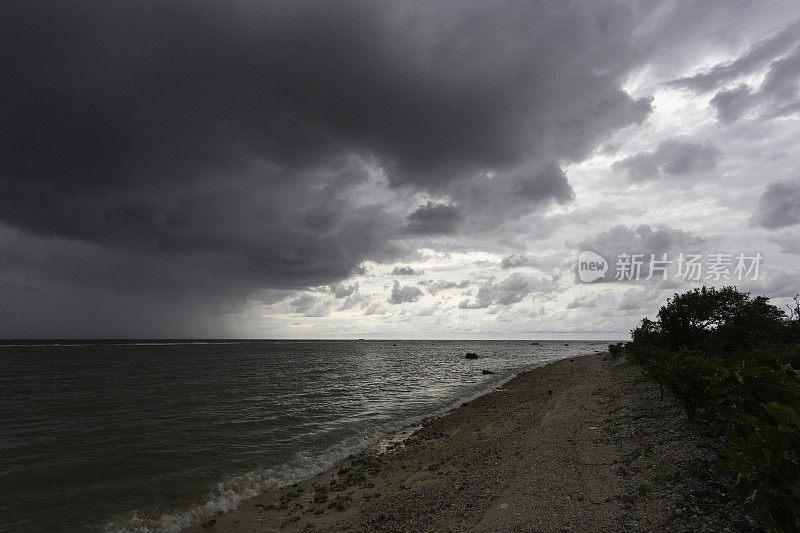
719	320
742	388
764	454
732	361
686	374
647	334
771	354
658	369
616	349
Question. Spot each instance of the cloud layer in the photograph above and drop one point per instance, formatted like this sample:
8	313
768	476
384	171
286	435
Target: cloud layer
231	165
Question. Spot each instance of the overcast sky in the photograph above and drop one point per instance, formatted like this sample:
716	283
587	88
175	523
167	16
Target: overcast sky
394	170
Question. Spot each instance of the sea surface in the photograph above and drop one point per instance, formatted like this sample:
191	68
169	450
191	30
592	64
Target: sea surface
154	436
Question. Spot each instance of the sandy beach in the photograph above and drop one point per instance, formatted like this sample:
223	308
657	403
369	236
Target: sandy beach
583	444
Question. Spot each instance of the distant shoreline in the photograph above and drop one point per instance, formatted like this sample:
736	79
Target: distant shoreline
579	441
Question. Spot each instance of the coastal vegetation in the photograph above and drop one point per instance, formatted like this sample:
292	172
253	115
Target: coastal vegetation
733	363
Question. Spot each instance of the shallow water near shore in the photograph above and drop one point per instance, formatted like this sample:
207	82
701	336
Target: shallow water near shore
156	435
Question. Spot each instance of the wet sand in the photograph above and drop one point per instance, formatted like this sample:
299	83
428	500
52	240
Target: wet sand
584	444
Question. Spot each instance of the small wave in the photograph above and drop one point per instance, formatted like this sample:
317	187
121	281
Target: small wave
232	492
305	465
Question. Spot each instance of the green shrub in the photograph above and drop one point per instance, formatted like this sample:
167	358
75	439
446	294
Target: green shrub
764	454
743	387
616	349
771	354
687	374
734	362
648	333
719	320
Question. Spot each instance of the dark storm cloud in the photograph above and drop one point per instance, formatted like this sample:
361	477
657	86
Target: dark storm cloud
673	157
220	144
779	205
550	183
434	219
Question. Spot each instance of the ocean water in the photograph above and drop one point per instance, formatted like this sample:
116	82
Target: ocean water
154	436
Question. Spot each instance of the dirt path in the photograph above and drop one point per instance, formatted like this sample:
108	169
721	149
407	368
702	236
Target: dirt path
584	444
564	477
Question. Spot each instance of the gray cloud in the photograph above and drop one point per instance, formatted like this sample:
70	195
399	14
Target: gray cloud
404	271
208	132
351	301
374	308
204	156
673	157
340	290
639	300
776	96
404	293
642	239
779	90
309	305
757	55
779	205
509	291
436	286
550	183
774	283
731	104
789	242
585	300
434	219
513	260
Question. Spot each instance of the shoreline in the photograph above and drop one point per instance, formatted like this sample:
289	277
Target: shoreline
553	448
388	440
